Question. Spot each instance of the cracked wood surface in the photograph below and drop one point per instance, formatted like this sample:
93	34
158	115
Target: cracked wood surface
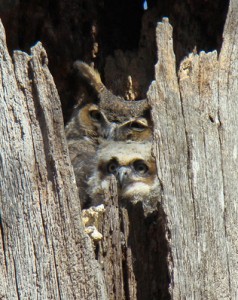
44	252
195	116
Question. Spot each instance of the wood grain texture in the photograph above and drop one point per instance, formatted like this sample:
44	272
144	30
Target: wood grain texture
133	250
195	120
110	251
185	250
44	252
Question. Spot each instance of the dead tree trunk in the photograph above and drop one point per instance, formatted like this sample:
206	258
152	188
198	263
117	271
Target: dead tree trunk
44	252
188	249
195	118
185	250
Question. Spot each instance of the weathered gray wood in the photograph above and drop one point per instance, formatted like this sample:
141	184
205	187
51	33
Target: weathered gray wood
110	252
227	113
195	117
133	250
44	252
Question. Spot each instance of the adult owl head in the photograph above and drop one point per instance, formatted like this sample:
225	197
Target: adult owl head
105	115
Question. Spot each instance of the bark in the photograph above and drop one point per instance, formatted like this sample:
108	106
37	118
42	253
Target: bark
110	251
133	251
44	252
195	127
185	250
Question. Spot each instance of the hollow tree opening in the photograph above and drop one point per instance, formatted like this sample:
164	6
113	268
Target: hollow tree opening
93	30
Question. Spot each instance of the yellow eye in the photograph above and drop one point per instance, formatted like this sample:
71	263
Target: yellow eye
112	167
137	126
140	167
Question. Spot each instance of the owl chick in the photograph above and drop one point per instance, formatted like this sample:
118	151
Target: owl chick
106	115
135	171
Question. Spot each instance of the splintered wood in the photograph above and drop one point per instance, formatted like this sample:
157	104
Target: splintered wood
195	119
44	252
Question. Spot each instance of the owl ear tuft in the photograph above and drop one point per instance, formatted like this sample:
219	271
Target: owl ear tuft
90	76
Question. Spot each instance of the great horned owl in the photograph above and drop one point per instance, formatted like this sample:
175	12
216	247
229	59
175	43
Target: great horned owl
102	116
82	154
106	115
135	171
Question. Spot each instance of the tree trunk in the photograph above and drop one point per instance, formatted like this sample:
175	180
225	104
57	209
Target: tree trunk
185	250
44	252
195	127
133	251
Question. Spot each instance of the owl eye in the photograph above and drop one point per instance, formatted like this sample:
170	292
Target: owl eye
112	167
95	115
140	167
138	125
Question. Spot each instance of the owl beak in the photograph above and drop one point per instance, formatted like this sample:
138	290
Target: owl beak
109	129
122	175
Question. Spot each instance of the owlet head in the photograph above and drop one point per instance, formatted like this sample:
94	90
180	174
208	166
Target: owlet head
132	165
